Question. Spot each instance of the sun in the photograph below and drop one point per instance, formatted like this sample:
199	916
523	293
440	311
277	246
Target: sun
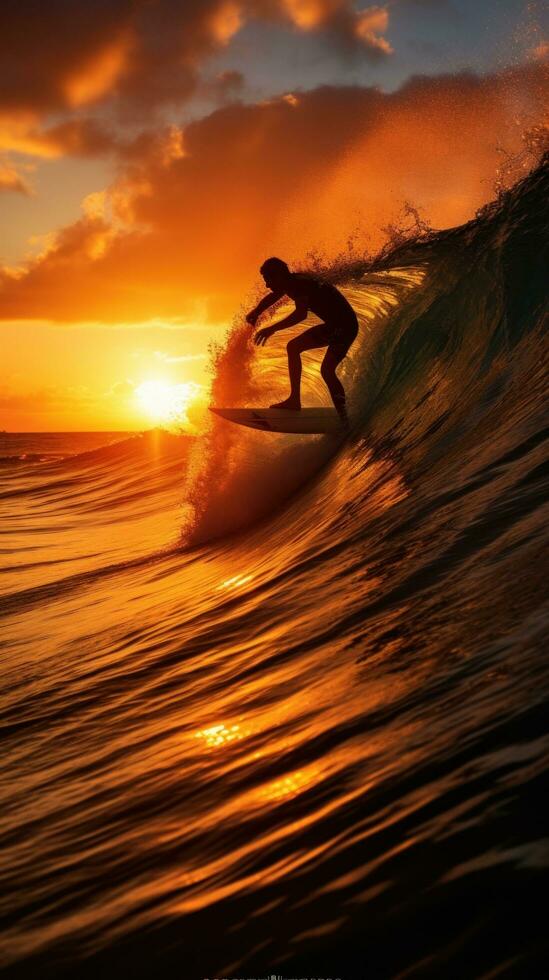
166	402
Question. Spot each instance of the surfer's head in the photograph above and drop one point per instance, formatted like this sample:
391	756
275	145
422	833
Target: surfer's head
275	273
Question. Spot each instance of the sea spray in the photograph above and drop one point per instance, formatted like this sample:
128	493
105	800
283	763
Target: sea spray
237	476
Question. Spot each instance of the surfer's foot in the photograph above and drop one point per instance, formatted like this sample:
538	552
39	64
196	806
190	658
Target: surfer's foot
292	404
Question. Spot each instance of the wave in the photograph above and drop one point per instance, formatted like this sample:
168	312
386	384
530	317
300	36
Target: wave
449	328
68	518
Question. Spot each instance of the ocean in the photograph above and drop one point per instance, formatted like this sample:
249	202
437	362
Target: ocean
276	705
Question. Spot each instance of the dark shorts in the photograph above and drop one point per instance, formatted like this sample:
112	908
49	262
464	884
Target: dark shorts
337	335
343	333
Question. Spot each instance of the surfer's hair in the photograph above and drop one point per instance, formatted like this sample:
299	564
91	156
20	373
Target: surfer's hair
274	265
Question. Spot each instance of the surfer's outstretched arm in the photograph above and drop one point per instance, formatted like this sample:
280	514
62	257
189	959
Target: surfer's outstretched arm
263	305
297	316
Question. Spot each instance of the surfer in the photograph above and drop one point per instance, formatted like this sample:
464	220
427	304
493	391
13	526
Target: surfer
337	331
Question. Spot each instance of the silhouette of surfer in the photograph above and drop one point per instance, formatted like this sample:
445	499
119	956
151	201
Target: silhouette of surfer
337	331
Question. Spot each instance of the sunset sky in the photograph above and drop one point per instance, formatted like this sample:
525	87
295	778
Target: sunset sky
154	152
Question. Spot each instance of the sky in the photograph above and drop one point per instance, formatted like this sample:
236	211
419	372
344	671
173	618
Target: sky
154	152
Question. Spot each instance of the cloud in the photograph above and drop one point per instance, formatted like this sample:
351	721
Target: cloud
225	87
194	211
84	137
12	180
140	56
340	20
369	26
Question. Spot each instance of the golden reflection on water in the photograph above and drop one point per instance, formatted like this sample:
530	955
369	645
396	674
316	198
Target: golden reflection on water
290	785
221	734
236	582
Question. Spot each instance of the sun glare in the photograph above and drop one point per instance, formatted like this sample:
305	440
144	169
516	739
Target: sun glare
165	402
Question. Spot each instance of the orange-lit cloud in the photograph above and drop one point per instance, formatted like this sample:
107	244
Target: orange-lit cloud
19	133
369	27
226	20
193	212
363	28
96	77
12	180
76	137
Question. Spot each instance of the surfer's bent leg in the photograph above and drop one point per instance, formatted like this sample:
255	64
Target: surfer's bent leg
333	356
314	337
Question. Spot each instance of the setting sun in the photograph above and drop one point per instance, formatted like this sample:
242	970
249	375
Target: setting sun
166	402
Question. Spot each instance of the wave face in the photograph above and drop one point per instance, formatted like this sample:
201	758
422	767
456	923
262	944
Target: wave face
308	736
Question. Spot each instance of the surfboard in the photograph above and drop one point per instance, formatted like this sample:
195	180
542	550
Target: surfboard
308	421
